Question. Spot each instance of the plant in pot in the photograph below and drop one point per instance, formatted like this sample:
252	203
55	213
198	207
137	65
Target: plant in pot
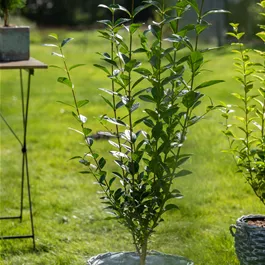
14	41
246	137
154	97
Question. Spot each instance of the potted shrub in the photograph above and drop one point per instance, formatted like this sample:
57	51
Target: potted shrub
246	136
152	106
14	41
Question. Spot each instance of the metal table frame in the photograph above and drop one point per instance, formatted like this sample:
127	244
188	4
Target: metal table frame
29	65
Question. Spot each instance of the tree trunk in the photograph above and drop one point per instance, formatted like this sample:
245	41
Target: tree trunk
6	15
143	254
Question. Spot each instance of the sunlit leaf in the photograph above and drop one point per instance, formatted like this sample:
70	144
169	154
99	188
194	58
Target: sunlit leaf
65	41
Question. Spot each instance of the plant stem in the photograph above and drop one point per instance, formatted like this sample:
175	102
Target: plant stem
143	253
75	102
6	18
199	22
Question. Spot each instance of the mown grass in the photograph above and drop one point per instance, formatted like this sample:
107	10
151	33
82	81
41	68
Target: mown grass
68	216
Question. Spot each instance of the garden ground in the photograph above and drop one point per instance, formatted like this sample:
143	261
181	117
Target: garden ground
68	216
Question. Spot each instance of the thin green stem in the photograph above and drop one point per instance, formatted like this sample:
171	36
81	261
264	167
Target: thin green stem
75	102
199	22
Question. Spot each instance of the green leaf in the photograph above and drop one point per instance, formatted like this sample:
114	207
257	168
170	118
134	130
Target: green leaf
209	83
122	8
133	167
72	129
121	21
65	41
108	102
169	20
174	38
102	68
55	66
106	22
57	54
155	61
75	157
65	103
65	81
130	136
114	121
143	71
89	141
102	179
118	194
76	65
195	61
182	173
156	31
240	35
102	162
140	8
86	131
84	162
201	27
82	103
231	34
114	144
111	182
54	36
139	121
50	45
157	130
118	154
131	65
262	4
171	207
190	98
110	92
171	78
194	5
261	35
104	6
146	98
152	114
182	160
82	118
215	11
149	122
176	194
112	62
238	96
135	107
134	27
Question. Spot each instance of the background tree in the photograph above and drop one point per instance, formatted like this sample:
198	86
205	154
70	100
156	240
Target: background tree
86	12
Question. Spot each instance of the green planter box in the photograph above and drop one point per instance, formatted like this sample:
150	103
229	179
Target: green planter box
14	44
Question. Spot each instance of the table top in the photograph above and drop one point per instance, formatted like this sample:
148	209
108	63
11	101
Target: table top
28	64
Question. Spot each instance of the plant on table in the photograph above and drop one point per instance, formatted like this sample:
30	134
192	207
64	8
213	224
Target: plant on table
6	6
153	107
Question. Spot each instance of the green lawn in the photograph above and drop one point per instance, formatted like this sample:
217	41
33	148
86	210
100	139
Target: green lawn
69	220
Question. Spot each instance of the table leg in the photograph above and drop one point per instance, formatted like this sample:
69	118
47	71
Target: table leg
25	96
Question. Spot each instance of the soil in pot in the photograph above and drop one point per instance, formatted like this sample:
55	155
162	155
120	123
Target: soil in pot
257	222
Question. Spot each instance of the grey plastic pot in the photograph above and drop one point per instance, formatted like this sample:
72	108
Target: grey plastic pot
131	258
249	240
14	44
